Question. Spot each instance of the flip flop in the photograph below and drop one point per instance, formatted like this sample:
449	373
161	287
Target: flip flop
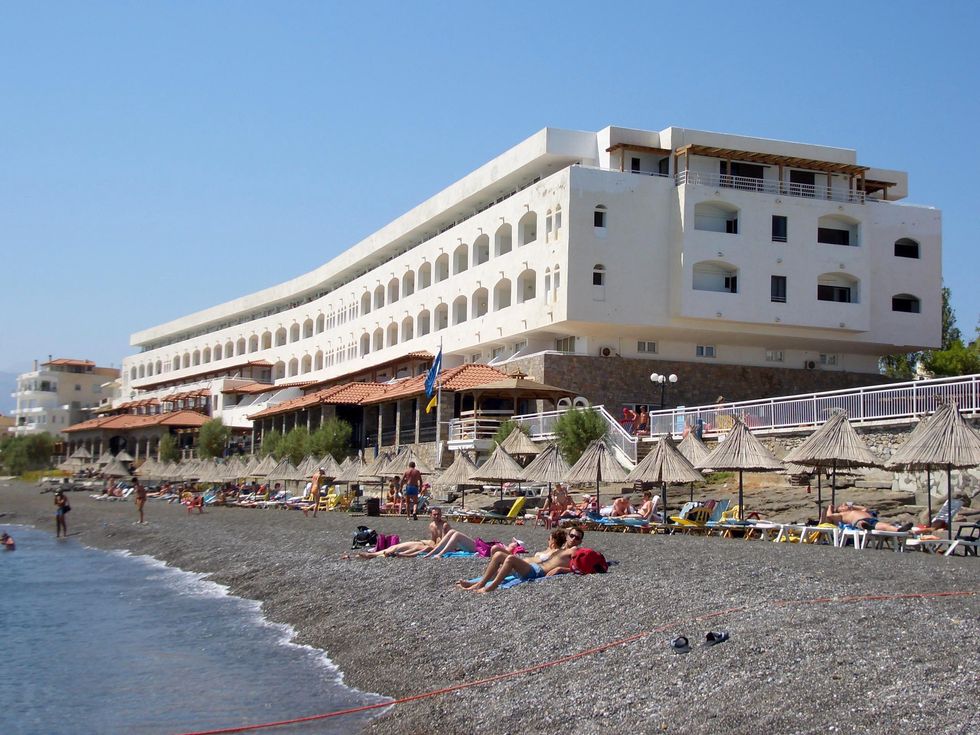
680	645
714	637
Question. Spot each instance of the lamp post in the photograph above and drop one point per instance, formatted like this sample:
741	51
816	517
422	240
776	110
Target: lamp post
663	380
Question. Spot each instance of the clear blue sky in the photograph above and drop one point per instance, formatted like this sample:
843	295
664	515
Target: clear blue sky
159	158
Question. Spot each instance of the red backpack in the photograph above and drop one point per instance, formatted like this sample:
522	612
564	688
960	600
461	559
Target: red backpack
588	561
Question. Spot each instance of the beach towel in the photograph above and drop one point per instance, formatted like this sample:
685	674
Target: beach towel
512	580
459	555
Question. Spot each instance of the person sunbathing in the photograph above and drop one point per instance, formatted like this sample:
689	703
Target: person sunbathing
438	529
619	509
556	559
648	509
860	517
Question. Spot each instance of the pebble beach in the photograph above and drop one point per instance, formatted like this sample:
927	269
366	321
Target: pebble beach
821	639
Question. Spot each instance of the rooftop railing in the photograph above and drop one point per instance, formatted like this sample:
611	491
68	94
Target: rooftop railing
767	186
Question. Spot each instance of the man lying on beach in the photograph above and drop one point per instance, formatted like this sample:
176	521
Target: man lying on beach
860	517
438	529
556	559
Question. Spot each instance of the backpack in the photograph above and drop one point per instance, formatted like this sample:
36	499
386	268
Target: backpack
364	538
588	561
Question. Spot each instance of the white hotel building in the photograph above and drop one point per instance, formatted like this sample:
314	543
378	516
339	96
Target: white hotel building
709	255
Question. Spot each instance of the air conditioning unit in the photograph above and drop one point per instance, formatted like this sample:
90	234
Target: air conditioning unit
607	351
810	365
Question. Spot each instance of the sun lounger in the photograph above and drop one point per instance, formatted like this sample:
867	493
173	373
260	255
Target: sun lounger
512	516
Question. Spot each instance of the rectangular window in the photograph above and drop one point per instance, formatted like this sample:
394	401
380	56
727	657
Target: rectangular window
774	355
833	236
908	304
663	166
778	289
518	346
906	249
599	218
731	284
496	352
597	278
647	348
780	228
565	344
828	359
635	165
705	351
802	183
841	294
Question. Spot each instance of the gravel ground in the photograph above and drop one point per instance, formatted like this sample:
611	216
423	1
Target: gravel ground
398	627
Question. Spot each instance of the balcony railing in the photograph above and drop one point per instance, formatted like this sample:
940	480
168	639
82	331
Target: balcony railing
766	186
542	427
893	402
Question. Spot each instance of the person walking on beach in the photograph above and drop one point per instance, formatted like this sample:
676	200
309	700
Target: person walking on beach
61	508
140	493
412	481
319	478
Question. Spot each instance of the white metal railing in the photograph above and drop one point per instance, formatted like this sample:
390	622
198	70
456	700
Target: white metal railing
542	427
766	186
894	401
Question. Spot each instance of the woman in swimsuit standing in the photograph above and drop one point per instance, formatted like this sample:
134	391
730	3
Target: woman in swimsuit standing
61	508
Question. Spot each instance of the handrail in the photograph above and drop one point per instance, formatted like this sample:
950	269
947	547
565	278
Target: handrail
541	427
769	186
890	401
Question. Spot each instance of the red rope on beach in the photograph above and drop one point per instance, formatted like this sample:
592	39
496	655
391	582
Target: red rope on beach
581	654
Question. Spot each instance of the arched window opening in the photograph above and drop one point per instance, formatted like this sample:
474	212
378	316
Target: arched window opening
425	275
306	366
293	370
527	229
481	250
600	219
459	310
502	241
716	217
424	322
408	283
837	230
218	352
393	286
196	358
318	360
159	367
365	344
378	341
710	275
479	303
547	285
906	302
408	329
280	336
839	287
279	370
294	332
206	355
527	286
307	329
379	297
502	294
442	267
320	323
442	317
366	303
906	247
461	258
392	335
267	340
253	343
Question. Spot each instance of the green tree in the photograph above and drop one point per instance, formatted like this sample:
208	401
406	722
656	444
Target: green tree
20	454
296	444
168	451
576	429
212	439
272	445
953	358
333	438
951	334
957	359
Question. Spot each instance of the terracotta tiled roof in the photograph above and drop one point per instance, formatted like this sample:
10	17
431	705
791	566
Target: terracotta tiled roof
129	421
418	355
252	388
453	379
349	393
200	375
68	362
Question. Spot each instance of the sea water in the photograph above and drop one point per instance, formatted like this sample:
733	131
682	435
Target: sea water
106	642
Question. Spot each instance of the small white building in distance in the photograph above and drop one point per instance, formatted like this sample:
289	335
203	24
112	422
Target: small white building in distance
745	266
58	393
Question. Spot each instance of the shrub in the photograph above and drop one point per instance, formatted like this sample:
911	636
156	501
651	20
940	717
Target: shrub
296	444
272	444
333	438
507	428
168	451
576	429
212	439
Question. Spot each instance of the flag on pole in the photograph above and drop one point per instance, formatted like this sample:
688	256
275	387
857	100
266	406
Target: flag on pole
430	379
432	404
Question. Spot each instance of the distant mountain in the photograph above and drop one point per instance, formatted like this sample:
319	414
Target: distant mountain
8	382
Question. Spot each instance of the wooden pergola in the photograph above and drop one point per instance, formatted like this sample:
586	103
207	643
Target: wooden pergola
623	147
855	173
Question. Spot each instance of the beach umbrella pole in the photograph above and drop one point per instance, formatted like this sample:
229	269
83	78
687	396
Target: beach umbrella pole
664	493
741	502
819	492
833	484
929	493
949	502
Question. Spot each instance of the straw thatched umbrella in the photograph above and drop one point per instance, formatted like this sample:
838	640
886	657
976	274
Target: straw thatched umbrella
263	468
835	444
282	471
499	467
743	452
694	451
329	465
148	470
945	441
665	464
104	459
597	464
124	456
457	474
81	453
115	469
249	466
549	466
399	463
519	444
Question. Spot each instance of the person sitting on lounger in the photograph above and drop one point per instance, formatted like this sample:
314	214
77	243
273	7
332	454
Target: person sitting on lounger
860	517
648	510
556	559
620	508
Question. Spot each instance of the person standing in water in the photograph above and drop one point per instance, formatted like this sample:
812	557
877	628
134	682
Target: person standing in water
61	508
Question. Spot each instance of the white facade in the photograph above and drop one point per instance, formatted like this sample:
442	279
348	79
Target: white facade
56	395
552	246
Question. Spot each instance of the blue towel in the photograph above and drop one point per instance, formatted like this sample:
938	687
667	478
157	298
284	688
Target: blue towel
512	580
459	554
